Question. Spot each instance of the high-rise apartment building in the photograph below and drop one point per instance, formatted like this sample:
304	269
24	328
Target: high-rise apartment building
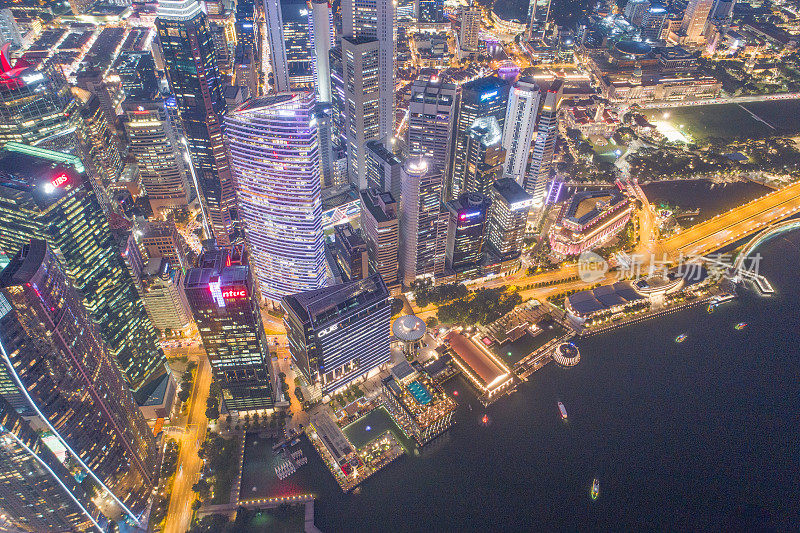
508	216
466	232
191	67
481	98
375	19
520	125
157	151
360	69
383	168
470	27
222	296
289	26
693	25
274	153
423	224
381	226
57	373
322	38
339	334
47	195
545	145
484	156
431	109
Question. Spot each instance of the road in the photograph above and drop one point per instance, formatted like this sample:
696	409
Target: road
180	511
730	100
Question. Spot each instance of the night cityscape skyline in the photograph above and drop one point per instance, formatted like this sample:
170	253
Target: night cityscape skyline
395	265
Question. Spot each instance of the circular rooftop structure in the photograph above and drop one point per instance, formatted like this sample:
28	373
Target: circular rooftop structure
633	48
409	328
567	354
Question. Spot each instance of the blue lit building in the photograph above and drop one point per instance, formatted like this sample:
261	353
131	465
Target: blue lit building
339	334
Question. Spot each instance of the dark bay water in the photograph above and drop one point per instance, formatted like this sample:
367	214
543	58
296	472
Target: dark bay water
701	435
712	199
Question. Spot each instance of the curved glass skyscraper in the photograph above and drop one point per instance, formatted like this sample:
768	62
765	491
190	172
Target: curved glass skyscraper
274	154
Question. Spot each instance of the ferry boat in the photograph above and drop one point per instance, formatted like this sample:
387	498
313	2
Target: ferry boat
563	411
595	489
680	338
741	325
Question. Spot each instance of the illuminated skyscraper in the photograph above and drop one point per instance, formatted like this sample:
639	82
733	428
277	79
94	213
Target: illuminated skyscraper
470	28
481	98
322	37
360	68
484	155
635	11
223	300
695	18
508	216
290	43
275	157
466	232
545	145
423	224
653	23
47	195
59	375
375	19
523	107
191	68
380	224
430	120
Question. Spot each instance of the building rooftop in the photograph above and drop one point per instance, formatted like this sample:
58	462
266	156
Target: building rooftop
487	370
584	206
603	297
24	265
409	328
371	200
511	191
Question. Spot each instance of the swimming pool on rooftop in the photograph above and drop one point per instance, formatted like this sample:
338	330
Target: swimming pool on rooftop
419	392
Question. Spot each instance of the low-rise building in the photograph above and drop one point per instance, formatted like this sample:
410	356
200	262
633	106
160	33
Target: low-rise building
588	220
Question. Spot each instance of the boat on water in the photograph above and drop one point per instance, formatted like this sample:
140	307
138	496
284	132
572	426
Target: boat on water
680	338
563	411
741	325
711	308
595	489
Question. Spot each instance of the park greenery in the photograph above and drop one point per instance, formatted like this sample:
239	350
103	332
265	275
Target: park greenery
185	391
480	307
282	519
170	461
425	293
220	456
212	403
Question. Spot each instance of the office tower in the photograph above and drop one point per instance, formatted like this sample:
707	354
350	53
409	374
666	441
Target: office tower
722	9
470	27
339	120
223	34
430	11
653	23
635	11
466	232
538	15
360	62
351	252
186	40
35	104
324	115
545	144
508	216
484	155
98	137
322	38
47	195
383	168
163	296
279	191
375	19
222	296
431	109
155	148
520	124
481	98
38	492
381	227
694	20
246	30
160	238
290	44
137	72
340	333
91	78
423	223
9	30
60	376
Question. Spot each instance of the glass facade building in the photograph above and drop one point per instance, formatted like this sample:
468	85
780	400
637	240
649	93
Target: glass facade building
222	296
340	333
47	195
466	232
57	373
191	67
274	154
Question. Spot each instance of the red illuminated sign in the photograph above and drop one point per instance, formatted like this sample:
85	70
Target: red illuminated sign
235	293
61	179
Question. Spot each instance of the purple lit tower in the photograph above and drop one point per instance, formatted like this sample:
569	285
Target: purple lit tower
274	154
